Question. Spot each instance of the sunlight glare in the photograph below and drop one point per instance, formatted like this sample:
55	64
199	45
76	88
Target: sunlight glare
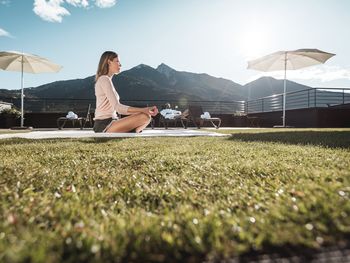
254	42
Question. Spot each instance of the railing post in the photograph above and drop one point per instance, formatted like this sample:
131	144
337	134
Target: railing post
315	103
282	95
262	105
343	96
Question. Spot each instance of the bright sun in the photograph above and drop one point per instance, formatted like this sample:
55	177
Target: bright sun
253	43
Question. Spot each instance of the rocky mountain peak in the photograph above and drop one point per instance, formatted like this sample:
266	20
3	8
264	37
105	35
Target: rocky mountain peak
165	69
141	66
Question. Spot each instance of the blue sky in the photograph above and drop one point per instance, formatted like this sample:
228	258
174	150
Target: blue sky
203	36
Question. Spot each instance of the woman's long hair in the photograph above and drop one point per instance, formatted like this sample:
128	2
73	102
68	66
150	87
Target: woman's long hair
103	66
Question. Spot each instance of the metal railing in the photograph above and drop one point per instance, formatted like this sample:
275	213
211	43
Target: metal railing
310	98
80	105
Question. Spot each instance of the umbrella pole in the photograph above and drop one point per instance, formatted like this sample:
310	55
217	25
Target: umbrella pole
284	90
22	97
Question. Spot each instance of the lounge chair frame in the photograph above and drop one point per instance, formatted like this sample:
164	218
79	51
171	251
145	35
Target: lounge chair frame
61	121
183	120
195	116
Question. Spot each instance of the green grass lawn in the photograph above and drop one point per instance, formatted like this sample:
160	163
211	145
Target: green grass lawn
173	199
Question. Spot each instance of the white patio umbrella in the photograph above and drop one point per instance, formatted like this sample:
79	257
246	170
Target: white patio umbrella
22	62
289	60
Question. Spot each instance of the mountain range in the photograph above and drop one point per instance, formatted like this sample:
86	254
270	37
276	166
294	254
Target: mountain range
162	83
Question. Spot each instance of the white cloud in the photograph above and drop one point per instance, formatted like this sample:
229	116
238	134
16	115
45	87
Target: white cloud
105	3
323	74
326	73
4	33
78	3
50	10
5	2
53	10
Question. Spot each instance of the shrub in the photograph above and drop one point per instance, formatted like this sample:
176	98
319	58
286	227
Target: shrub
10	113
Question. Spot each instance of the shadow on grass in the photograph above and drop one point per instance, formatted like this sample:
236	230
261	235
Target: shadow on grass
14	141
332	139
292	253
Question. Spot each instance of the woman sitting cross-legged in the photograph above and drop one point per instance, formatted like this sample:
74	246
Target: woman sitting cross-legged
107	101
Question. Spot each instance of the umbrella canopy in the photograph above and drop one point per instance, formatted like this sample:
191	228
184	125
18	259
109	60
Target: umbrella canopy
13	60
22	62
296	59
289	60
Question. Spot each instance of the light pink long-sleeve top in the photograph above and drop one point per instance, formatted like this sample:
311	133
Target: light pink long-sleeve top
107	99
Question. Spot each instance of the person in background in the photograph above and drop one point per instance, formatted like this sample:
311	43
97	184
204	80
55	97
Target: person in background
107	101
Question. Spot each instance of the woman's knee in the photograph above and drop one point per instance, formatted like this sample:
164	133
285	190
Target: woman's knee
145	117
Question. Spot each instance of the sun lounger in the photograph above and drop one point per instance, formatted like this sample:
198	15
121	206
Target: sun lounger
179	118
198	117
61	122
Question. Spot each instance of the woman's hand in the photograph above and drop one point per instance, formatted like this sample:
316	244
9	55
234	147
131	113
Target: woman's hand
153	111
